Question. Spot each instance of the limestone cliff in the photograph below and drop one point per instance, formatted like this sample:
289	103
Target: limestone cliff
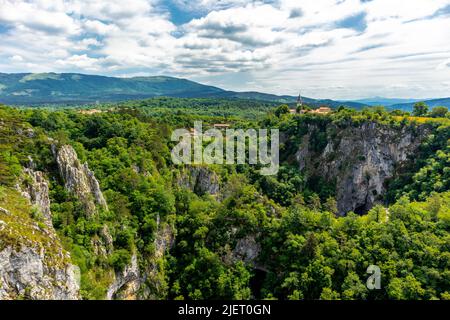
34	187
26	273
359	159
126	283
200	180
247	250
155	273
80	180
147	279
33	264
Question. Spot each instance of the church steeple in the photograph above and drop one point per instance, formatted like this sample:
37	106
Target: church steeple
299	100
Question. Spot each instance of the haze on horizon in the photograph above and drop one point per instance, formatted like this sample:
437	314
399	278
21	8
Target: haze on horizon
337	49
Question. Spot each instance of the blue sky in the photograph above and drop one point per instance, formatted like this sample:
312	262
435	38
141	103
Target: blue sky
339	49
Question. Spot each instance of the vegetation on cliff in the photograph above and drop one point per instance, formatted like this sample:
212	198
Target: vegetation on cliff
273	237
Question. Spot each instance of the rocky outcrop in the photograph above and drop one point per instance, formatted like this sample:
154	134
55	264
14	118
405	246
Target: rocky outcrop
103	243
200	180
358	160
149	281
80	180
33	264
164	238
106	238
247	250
25	273
34	187
127	283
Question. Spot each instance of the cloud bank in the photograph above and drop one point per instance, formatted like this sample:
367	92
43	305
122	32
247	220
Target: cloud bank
337	49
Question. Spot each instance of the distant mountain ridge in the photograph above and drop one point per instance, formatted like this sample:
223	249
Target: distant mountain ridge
444	102
402	104
75	88
42	88
381	101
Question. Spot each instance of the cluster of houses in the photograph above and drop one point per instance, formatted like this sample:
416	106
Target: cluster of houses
94	111
224	126
90	111
321	110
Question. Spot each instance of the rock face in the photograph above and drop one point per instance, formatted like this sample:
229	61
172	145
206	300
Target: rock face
359	160
33	264
127	283
200	180
25	273
35	188
103	243
247	250
133	283
80	180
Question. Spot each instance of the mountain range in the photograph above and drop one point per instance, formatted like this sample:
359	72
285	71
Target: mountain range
381	101
402	104
75	88
430	103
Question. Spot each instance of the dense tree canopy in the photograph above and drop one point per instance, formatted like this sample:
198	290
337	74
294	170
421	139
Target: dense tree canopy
304	250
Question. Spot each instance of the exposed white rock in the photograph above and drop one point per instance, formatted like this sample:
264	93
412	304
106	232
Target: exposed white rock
25	273
146	283
35	189
247	250
126	284
103	244
80	180
200	180
360	160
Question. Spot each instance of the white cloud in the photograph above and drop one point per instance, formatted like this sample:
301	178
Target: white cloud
444	65
110	10
16	58
327	48
98	27
402	10
207	5
80	62
37	17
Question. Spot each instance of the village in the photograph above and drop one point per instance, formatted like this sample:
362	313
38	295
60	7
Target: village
300	108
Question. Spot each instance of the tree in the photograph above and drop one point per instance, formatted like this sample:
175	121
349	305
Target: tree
420	109
314	202
408	288
329	294
120	259
439	112
331	205
353	288
310	247
400	113
283	109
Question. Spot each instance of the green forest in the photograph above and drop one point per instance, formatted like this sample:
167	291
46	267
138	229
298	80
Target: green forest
225	231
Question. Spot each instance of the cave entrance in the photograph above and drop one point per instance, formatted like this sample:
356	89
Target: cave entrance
361	210
256	282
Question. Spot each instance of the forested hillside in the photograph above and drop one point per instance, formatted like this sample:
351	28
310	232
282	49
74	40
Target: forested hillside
354	189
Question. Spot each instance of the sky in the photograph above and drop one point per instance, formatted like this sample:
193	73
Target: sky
337	49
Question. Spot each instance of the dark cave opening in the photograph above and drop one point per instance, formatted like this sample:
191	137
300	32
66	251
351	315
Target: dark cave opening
361	210
256	283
